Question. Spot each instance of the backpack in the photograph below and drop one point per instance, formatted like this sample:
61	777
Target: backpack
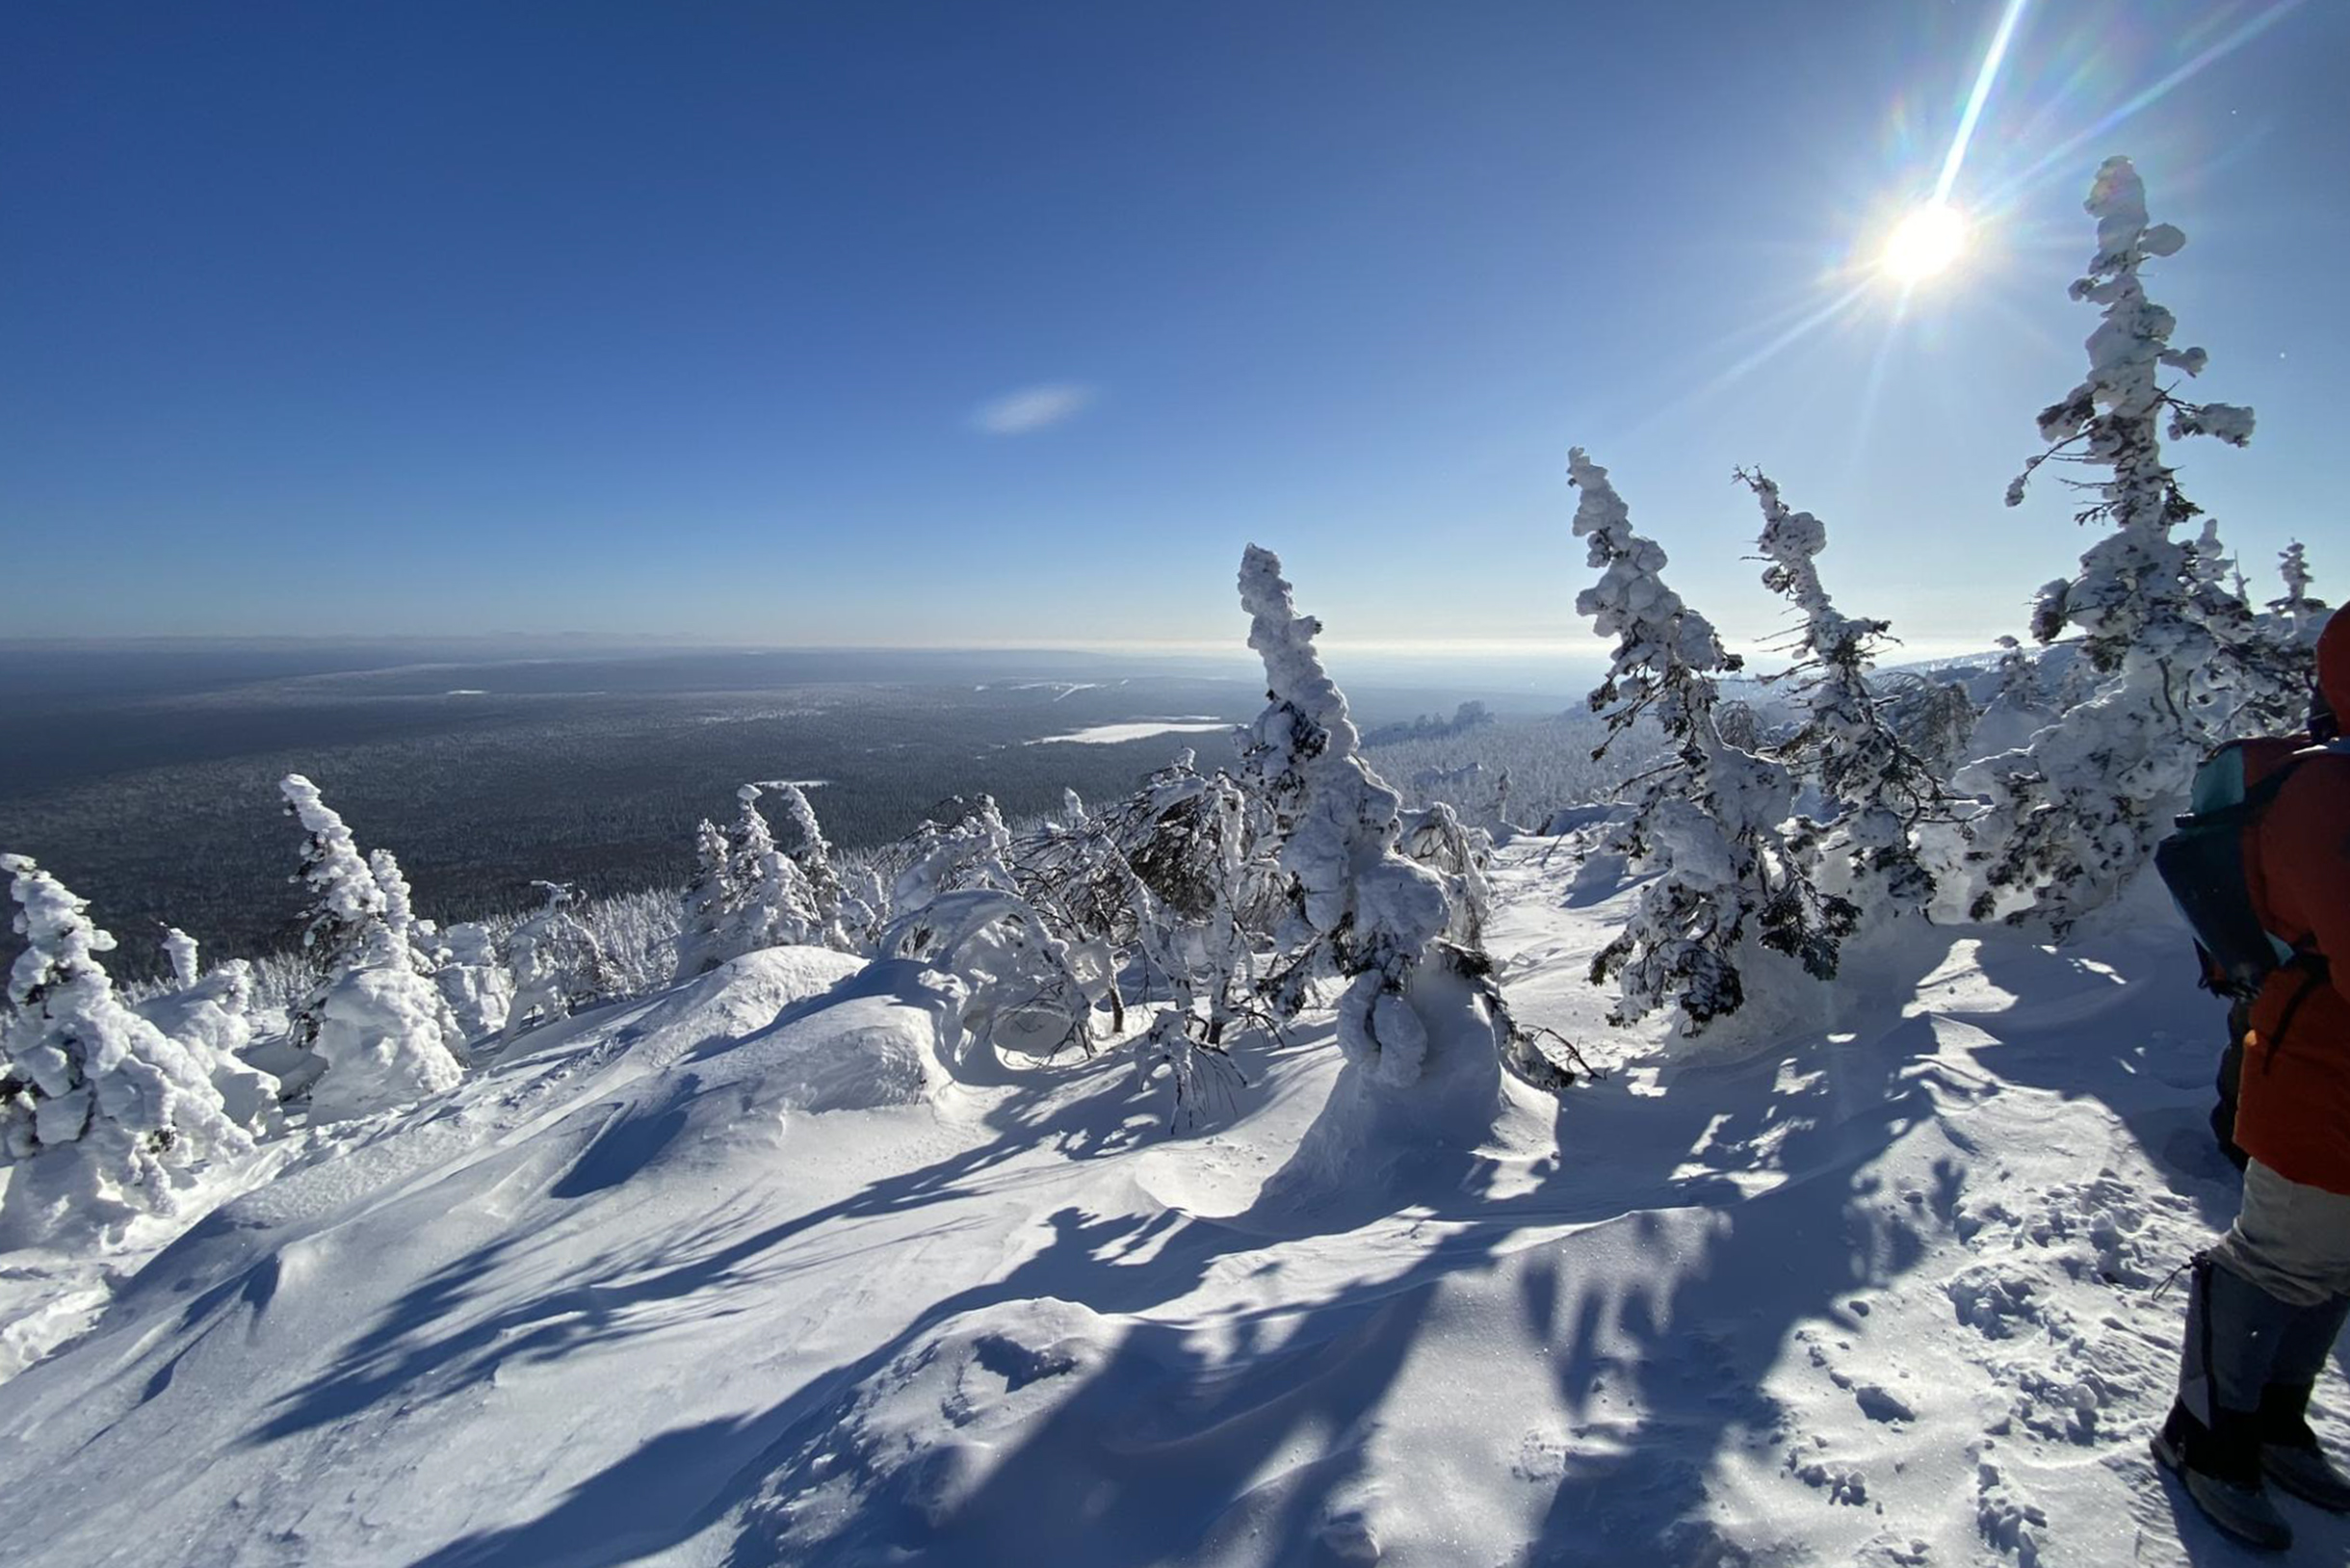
2203	862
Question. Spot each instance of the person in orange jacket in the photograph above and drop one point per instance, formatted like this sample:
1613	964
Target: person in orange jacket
2272	1295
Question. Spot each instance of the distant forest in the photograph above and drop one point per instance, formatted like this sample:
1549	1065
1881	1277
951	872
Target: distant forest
168	810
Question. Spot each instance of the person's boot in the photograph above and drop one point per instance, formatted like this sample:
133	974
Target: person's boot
2220	1467
2289	1453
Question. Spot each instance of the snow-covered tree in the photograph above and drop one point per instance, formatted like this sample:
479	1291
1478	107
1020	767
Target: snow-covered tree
2130	597
1877	789
1360	908
345	904
399	902
773	903
179	951
110	1112
557	964
2304	616
964	843
211	1014
803	841
2020	703
1706	818
1933	717
750	893
2256	681
2076	814
708	899
474	982
374	1020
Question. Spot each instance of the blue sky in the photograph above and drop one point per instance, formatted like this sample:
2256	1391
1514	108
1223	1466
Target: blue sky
892	324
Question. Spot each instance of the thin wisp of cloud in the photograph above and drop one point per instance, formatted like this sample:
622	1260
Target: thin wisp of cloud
1031	409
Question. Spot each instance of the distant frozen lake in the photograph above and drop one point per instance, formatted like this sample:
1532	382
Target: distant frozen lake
1139	729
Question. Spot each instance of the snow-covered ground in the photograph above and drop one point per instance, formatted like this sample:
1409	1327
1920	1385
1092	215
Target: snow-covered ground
753	1271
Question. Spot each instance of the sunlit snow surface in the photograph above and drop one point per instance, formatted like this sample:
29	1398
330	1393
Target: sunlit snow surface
756	1271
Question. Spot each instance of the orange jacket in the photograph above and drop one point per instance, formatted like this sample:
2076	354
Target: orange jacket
2294	1097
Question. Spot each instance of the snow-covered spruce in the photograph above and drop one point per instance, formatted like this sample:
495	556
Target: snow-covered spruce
376	1025
559	965
2074	815
343	904
2257	680
1360	908
748	894
2304	615
803	841
706	900
1707	819
103	1115
1877	789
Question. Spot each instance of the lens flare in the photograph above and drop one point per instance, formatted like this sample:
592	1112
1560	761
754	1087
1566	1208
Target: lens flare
1926	242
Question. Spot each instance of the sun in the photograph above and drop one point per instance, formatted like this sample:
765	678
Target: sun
1924	244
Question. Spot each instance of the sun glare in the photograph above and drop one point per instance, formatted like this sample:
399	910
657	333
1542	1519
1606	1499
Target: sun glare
1926	242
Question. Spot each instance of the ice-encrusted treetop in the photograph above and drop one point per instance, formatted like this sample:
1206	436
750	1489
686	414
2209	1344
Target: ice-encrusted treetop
340	878
1656	635
1294	674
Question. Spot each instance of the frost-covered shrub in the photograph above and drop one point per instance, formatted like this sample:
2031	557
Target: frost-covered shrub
105	1112
2076	813
1877	788
1193	854
956	906
1706	818
376	1024
1439	840
1359	908
559	965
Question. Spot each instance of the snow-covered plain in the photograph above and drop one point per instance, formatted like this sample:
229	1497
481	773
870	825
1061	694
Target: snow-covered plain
1138	730
756	1271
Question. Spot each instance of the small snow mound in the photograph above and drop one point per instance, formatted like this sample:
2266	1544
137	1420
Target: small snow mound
729	1004
904	1454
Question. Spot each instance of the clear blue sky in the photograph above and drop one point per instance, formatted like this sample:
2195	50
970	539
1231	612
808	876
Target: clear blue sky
894	324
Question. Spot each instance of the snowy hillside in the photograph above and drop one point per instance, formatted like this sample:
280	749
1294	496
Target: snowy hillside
755	1270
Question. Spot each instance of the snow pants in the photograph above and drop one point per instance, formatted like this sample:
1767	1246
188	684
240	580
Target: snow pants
2269	1299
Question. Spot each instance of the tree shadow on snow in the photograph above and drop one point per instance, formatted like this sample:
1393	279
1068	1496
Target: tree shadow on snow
1160	1454
1161	1447
2079	1030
